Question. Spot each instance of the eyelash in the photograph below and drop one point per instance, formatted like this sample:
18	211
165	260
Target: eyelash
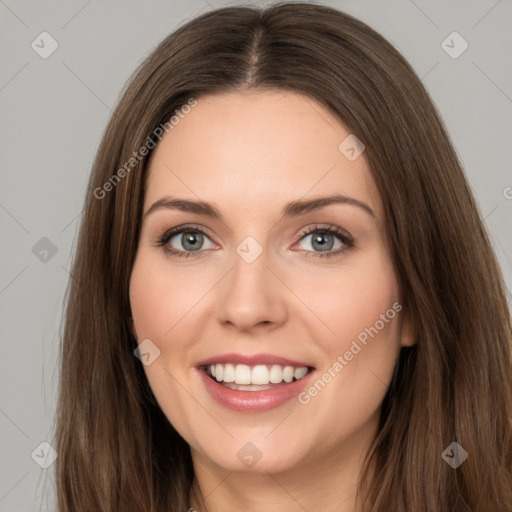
343	236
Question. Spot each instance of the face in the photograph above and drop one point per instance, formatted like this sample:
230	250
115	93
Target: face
294	309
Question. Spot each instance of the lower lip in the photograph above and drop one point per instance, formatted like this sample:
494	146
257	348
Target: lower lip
253	401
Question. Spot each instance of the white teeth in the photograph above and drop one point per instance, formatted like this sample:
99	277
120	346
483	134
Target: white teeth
276	374
219	372
242	374
229	373
300	372
288	373
259	375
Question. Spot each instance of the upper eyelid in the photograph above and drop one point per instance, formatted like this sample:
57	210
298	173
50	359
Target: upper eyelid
178	230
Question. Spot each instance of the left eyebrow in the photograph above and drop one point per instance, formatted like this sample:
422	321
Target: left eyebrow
292	209
296	208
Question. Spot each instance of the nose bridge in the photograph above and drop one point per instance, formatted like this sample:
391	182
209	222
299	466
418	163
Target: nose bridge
250	294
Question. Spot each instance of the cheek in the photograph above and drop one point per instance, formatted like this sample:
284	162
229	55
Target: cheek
146	300
160	297
354	299
359	335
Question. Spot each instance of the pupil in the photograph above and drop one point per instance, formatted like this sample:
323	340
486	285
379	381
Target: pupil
191	238
323	243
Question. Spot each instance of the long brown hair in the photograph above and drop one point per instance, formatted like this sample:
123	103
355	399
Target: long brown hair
117	450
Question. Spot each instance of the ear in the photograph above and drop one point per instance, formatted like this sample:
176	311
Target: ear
408	331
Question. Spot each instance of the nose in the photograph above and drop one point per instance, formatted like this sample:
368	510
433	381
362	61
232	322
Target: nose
251	296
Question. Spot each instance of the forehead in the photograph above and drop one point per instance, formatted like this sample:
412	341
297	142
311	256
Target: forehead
257	149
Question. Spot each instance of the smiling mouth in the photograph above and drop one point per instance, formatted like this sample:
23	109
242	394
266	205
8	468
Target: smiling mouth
242	377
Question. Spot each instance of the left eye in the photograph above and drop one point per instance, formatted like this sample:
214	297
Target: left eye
322	242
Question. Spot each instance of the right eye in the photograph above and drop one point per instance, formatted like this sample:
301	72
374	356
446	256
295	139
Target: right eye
183	241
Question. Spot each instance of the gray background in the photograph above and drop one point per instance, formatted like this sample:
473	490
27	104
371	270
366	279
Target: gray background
54	110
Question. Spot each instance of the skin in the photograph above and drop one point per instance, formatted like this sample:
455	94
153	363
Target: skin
251	153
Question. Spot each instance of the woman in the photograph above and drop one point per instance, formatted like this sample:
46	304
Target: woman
283	295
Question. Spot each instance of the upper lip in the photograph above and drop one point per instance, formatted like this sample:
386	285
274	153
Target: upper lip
252	360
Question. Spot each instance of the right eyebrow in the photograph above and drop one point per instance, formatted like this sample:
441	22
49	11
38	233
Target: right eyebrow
185	205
